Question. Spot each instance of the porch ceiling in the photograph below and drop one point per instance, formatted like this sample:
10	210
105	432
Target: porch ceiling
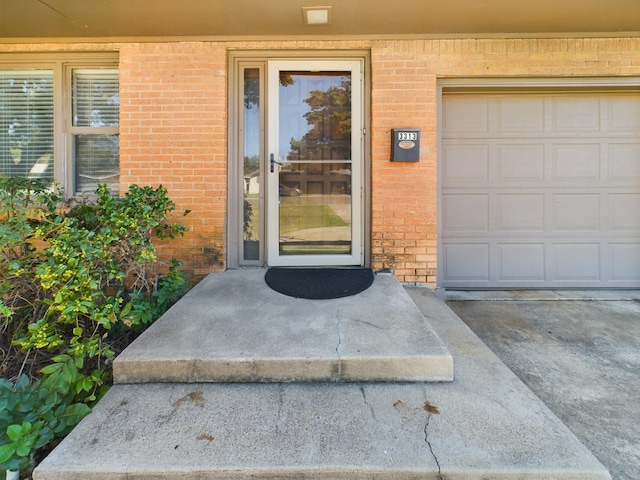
43	20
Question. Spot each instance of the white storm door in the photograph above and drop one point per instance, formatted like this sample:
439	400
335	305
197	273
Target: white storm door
314	163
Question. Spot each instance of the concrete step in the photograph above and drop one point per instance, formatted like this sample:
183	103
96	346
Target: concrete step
233	328
484	424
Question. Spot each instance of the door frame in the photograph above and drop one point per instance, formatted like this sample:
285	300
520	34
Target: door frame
237	62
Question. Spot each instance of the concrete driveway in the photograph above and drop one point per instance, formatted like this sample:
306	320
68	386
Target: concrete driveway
579	352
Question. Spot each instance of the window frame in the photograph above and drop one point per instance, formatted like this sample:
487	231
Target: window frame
62	65
74	131
33	74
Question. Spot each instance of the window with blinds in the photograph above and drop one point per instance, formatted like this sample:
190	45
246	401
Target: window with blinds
26	123
94	128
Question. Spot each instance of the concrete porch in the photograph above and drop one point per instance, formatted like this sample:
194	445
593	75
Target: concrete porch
233	328
237	381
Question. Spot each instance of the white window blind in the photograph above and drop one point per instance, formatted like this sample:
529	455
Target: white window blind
26	123
95	123
96	101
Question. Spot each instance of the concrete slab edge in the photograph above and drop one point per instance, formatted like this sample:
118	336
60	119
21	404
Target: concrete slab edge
427	368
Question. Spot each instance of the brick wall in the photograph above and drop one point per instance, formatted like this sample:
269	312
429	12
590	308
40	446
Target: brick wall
403	211
404	73
174	126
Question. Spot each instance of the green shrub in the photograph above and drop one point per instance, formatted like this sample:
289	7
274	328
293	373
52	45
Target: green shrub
79	279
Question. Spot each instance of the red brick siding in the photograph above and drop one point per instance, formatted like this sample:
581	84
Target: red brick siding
403	213
174	126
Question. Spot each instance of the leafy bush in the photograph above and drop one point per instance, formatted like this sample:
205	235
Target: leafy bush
79	279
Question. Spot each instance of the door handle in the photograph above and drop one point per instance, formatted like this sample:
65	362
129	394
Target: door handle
273	161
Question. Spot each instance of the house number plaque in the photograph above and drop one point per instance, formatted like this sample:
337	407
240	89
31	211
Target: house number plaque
405	145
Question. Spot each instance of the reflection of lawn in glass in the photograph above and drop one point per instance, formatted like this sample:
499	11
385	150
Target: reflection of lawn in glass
301	216
253	227
286	249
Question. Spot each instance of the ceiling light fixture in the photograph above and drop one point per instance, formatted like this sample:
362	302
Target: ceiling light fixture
316	15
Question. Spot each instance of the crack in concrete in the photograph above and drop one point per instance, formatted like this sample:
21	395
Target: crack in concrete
426	439
338	320
280	405
431	410
366	402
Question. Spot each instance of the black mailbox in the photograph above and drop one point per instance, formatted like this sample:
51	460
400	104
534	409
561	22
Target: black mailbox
405	144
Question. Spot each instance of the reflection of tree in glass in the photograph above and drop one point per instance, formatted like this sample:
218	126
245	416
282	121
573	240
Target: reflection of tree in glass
251	164
252	86
330	120
286	79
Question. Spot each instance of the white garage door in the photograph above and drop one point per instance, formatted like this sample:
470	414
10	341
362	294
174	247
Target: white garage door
540	190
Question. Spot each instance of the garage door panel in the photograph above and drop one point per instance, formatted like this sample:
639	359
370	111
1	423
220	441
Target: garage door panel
624	116
624	211
577	113
579	211
466	163
577	262
521	262
468	262
466	114
520	114
466	212
521	161
624	161
525	206
520	211
625	262
575	161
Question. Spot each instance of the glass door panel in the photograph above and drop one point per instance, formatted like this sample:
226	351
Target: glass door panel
315	209
251	139
314	164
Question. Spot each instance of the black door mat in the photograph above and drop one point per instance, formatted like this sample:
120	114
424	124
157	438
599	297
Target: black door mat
319	283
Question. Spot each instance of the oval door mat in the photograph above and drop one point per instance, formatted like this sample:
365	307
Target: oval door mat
319	283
